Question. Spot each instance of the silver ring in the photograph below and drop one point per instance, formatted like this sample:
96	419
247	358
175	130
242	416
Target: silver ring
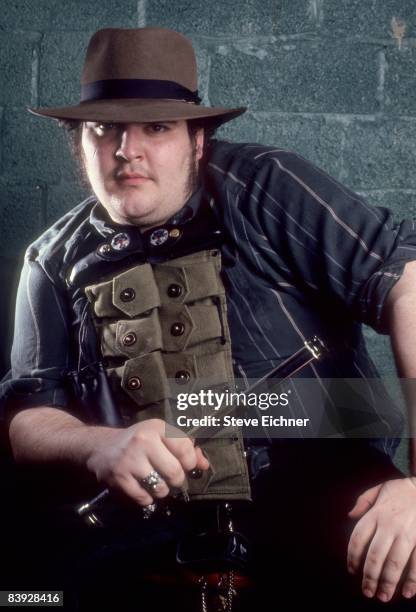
151	481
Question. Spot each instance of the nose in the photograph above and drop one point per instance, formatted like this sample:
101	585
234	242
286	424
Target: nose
131	142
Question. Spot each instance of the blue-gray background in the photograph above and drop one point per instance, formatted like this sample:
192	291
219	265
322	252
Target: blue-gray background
334	80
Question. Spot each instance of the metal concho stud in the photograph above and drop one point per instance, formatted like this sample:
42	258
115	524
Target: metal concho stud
104	249
175	232
159	237
120	241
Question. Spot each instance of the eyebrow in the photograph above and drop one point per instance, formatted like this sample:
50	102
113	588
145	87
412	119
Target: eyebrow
97	123
156	122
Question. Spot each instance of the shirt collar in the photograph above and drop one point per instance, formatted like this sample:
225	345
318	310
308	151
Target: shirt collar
101	221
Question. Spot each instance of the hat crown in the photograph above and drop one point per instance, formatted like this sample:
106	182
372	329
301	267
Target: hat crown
145	53
139	75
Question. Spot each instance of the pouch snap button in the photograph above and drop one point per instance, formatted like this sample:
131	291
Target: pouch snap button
182	377
174	290
127	295
134	383
129	339
177	329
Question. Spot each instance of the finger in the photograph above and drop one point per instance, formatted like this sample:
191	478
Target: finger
409	585
168	464
184	451
359	540
364	502
201	461
131	487
377	554
393	568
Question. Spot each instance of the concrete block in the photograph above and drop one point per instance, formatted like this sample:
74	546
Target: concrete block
248	18
318	139
379	348
37	150
371	19
61	60
15	68
299	77
20	217
401	203
61	198
299	17
380	154
400	81
203	63
69	14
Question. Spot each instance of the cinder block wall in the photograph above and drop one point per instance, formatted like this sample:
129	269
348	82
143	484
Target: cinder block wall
334	80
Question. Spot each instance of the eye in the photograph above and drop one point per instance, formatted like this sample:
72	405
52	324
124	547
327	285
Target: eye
100	128
157	128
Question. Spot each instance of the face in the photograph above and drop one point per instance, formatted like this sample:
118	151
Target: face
142	173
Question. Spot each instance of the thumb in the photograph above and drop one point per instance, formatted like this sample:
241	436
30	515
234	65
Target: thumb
364	502
201	461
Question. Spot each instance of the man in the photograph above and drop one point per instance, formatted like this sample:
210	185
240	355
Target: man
204	260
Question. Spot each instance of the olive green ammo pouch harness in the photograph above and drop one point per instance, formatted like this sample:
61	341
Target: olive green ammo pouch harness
159	312
163	329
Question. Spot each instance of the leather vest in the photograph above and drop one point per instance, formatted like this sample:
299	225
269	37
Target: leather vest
163	329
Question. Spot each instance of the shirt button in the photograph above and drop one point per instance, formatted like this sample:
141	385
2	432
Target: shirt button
129	339
182	377
127	295
174	290
134	383
177	329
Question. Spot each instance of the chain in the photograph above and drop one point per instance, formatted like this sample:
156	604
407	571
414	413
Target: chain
226	585
225	592
231	592
204	585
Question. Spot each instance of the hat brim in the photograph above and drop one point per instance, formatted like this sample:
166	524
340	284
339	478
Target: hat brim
131	110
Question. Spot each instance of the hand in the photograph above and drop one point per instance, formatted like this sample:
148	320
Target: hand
385	539
122	457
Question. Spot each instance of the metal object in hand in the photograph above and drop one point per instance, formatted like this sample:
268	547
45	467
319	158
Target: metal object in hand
151	481
312	350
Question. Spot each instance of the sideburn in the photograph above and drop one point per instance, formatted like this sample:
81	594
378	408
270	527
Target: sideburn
74	135
194	168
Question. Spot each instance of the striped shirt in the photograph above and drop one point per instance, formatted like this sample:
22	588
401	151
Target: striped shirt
302	256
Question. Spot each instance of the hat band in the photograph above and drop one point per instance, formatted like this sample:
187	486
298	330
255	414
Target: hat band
137	88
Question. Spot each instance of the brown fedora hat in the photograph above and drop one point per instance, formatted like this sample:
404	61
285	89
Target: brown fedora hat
139	75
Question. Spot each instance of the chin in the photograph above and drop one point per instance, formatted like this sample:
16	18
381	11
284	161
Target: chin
140	217
130	213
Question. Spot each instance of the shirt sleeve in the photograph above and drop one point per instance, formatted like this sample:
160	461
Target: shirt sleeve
329	239
40	352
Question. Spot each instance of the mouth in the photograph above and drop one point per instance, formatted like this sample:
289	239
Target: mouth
131	178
